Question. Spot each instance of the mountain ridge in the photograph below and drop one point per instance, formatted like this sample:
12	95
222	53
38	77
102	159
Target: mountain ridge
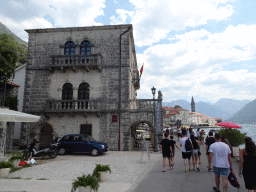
223	108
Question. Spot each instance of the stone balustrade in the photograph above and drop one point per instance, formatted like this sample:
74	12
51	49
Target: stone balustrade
72	105
73	61
147	104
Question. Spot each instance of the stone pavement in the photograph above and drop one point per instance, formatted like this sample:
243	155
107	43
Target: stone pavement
177	180
54	186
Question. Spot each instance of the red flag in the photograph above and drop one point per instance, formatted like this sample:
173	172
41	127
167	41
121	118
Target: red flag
141	69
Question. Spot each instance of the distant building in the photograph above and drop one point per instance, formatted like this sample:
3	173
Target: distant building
193	106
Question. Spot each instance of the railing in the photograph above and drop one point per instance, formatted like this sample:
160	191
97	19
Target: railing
147	104
77	60
74	105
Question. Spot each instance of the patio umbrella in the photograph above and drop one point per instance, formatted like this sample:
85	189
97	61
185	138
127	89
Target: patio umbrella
228	125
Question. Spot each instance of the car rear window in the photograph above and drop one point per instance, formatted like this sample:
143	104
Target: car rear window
67	138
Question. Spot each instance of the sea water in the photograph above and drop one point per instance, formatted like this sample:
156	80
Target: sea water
250	130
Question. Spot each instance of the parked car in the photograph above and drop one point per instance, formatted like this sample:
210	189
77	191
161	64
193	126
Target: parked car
80	143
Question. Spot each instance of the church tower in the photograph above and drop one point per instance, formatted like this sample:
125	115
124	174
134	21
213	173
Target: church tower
193	107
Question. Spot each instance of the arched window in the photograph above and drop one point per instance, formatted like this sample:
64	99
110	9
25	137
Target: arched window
69	50
83	94
85	49
84	91
67	91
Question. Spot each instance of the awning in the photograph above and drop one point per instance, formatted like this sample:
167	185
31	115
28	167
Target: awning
8	115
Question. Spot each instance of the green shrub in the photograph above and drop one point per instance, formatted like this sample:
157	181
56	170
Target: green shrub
4	164
100	168
15	158
234	136
85	181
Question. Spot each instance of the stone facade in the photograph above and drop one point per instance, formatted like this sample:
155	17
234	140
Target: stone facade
109	71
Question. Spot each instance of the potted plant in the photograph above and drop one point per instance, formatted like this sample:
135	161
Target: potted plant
235	138
85	184
100	172
5	168
16	160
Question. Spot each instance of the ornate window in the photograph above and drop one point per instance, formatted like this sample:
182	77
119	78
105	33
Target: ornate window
83	94
67	91
84	91
85	49
69	50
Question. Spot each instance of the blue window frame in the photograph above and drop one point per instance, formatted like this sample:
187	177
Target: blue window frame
85	49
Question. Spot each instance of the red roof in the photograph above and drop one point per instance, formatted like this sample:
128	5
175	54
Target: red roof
12	84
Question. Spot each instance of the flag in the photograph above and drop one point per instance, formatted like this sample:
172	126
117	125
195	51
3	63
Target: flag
141	69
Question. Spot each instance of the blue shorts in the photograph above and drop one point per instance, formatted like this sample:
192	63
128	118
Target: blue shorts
195	152
221	171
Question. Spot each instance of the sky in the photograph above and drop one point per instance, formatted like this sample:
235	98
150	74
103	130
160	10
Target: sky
200	48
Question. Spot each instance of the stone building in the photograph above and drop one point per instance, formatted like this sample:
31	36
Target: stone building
84	80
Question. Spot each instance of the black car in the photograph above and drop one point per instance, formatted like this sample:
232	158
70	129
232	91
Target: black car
81	144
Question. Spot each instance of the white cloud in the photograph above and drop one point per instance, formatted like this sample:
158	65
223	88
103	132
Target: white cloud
203	64
153	20
23	14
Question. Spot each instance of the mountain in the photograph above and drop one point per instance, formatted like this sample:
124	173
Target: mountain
245	115
4	29
20	45
231	105
224	108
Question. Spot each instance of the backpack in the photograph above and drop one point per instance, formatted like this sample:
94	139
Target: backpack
188	145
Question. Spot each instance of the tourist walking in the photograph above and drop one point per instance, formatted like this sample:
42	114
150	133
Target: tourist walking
167	131
220	156
247	160
173	143
198	133
202	136
171	131
210	140
196	147
187	149
179	132
166	148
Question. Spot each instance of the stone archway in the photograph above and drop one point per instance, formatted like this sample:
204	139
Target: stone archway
133	132
46	134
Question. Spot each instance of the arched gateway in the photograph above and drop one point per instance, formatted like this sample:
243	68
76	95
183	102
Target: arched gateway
46	134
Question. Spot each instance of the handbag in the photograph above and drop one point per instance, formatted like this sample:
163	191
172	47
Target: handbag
199	153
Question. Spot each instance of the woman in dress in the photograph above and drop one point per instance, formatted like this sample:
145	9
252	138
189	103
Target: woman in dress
247	160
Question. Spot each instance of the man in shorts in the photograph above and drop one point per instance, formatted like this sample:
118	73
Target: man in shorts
166	148
210	140
220	156
185	154
173	151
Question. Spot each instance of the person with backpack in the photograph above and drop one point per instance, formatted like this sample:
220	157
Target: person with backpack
196	148
187	149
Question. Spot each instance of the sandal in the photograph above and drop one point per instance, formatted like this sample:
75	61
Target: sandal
198	169
171	168
163	170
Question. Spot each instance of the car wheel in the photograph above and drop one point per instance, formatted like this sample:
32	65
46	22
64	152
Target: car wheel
95	152
62	151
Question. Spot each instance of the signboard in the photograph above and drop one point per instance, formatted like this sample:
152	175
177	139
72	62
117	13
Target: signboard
158	118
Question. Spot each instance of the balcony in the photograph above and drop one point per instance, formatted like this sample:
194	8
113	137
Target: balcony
92	61
73	106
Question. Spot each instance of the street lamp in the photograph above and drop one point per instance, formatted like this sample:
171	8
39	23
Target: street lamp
153	89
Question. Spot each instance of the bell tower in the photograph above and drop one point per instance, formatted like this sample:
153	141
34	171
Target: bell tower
193	107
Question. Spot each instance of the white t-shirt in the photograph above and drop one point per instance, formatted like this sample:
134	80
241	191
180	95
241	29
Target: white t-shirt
220	154
179	130
182	142
198	133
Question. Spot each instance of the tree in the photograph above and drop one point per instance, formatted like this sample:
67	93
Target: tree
177	106
8	56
